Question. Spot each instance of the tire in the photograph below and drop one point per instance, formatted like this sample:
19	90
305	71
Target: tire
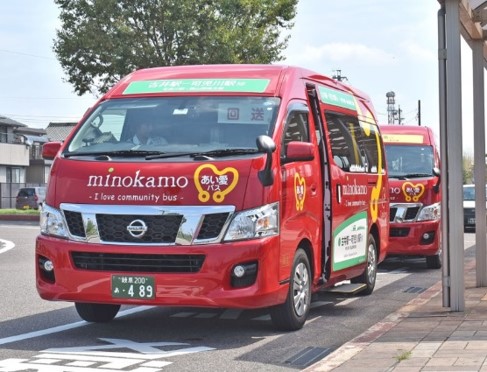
292	314
369	275
433	262
96	313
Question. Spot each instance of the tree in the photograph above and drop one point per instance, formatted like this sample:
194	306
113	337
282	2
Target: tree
100	41
467	169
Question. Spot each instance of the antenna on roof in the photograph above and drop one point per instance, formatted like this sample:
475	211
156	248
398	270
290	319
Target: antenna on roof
338	76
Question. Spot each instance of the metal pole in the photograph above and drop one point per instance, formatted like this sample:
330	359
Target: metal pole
454	161
479	160
444	155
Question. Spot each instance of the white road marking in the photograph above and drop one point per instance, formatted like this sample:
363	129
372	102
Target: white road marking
145	357
232	314
65	327
5	245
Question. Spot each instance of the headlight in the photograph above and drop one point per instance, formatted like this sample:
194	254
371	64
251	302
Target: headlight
52	222
430	213
254	223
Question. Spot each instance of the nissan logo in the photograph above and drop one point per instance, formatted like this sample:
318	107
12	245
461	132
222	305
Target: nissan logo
137	228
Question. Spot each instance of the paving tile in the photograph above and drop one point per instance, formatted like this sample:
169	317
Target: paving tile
441	362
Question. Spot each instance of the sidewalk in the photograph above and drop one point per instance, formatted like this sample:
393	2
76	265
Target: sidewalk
421	336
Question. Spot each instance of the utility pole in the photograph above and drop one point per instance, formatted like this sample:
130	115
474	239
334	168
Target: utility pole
399	117
338	76
419	112
391	109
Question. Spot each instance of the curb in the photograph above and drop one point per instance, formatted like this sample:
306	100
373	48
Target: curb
351	348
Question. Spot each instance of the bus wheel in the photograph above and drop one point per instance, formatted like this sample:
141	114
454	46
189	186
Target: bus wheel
96	313
292	314
370	274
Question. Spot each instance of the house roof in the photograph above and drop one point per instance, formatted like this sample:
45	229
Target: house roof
10	122
59	131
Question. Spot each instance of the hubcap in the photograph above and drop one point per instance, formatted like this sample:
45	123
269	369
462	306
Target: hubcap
301	289
371	264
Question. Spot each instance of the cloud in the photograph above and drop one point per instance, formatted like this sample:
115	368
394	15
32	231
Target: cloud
338	52
419	52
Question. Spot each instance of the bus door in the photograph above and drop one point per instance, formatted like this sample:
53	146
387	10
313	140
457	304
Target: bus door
350	184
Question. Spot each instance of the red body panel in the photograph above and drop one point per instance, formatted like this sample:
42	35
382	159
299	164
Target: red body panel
407	237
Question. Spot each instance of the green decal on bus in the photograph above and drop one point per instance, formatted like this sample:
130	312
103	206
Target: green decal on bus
197	85
337	98
350	242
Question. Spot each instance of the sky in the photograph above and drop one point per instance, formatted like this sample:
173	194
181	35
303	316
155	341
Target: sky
378	45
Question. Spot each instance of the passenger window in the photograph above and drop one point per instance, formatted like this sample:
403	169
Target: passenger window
296	129
353	143
370	150
345	132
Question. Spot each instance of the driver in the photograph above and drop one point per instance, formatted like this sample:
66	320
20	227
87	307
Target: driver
144	135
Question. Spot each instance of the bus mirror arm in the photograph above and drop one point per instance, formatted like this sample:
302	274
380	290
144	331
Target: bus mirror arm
437	173
266	144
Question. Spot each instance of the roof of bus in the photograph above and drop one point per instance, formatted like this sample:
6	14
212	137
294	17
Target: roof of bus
406	134
252	78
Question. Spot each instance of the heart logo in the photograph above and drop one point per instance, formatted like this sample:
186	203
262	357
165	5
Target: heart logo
299	191
412	191
210	181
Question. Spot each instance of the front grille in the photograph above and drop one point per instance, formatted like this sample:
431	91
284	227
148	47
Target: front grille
75	223
146	225
406	212
160	229
141	263
212	225
412	213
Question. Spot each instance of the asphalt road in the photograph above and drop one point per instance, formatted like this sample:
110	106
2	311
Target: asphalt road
37	335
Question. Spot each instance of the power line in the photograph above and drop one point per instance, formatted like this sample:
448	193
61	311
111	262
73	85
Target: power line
27	54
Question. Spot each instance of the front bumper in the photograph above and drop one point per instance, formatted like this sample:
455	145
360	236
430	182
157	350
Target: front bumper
211	286
414	238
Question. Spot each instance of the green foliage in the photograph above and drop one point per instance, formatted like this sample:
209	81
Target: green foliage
34	212
101	41
467	169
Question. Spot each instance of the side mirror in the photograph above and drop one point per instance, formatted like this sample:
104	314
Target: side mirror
266	144
50	150
437	173
299	151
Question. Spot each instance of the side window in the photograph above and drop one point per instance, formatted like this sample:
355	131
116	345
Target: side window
296	129
370	150
345	133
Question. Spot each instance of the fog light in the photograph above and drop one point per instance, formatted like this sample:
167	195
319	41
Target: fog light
243	274
428	237
48	265
239	271
46	269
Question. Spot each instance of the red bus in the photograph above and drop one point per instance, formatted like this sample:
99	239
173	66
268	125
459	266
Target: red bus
413	162
261	185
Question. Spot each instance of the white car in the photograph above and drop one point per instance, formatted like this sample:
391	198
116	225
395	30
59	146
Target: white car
469	207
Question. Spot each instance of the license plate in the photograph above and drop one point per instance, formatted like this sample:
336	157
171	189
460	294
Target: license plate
136	287
471	221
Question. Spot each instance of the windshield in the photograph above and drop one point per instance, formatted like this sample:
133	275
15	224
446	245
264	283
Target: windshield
469	192
175	124
409	161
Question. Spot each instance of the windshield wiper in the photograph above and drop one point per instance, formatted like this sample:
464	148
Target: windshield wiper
204	154
127	153
417	175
